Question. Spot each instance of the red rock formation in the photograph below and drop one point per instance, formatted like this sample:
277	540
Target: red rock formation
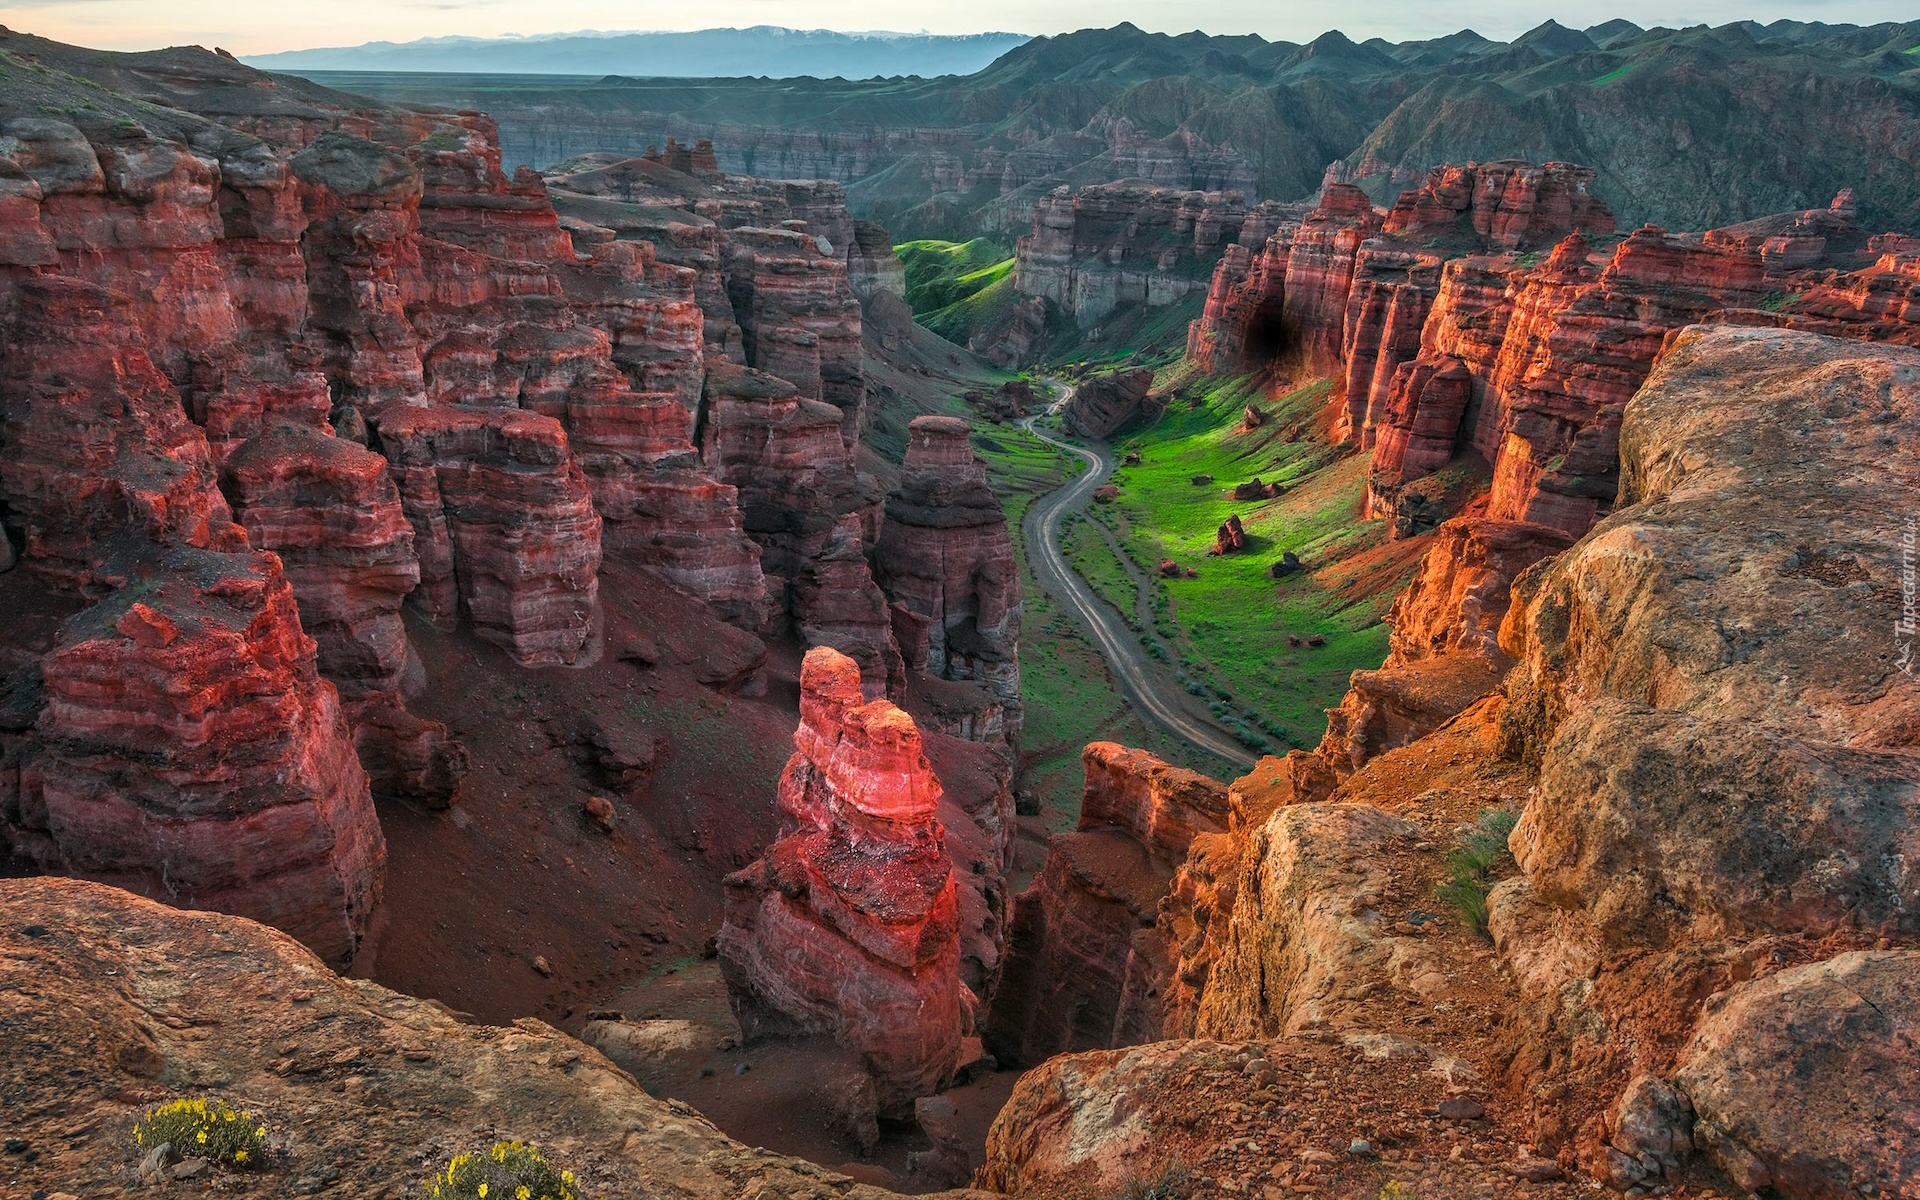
1117	244
1564	384
97	442
190	751
945	561
1071	981
848	926
503	526
329	509
1527	367
1510	204
1103	405
812	514
1231	538
798	317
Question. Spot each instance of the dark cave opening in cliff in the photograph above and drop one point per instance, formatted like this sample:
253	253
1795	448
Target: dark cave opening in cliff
1271	338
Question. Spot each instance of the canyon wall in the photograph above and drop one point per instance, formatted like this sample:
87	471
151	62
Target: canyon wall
1703	842
1493	312
1072	981
1131	243
946	560
340	354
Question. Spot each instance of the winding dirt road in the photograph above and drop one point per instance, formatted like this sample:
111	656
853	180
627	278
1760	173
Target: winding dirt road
1156	698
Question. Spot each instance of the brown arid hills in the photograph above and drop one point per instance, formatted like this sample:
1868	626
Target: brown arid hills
1688	127
441	603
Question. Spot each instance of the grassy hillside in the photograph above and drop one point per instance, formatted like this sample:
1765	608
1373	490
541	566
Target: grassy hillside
1228	627
941	274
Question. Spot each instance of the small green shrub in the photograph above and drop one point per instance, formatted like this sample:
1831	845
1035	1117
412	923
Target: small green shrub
1170	1182
208	1129
1469	868
1395	1190
507	1171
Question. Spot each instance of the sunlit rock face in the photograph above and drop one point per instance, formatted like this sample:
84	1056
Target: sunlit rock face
849	925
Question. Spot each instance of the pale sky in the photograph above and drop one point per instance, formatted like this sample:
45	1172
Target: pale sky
257	27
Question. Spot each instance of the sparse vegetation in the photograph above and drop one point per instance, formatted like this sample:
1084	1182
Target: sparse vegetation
506	1171
1172	1181
1470	867
209	1129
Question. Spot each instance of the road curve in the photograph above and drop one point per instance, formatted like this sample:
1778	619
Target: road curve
1118	645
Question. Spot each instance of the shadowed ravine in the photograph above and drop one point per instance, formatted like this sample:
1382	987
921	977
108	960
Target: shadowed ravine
1152	697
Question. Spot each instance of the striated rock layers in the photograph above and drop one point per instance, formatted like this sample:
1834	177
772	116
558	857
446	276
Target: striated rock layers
1083	965
778	271
188	749
248	314
1103	405
1133	243
945	560
849	925
1450	334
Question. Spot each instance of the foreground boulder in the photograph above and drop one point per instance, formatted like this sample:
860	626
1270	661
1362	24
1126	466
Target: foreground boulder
849	926
1105	404
359	1086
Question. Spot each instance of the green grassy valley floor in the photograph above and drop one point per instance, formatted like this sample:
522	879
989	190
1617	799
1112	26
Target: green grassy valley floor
1233	636
1070	700
1226	631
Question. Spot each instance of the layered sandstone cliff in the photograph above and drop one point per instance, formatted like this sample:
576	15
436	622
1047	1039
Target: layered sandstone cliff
247	314
1450	332
946	562
849	925
1081	941
1117	244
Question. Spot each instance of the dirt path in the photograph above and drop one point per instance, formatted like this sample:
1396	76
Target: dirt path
1154	697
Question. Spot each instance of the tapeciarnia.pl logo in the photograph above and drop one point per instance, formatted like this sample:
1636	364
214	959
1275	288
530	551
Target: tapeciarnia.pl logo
1906	624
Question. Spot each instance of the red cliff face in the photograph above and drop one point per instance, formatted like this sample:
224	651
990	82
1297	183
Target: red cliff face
350	337
1526	363
1086	968
189	750
1513	205
945	560
849	925
799	318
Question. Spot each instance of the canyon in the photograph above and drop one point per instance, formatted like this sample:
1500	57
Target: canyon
577	592
297	384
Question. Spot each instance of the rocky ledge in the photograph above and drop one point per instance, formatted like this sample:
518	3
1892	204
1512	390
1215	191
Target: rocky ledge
122	1003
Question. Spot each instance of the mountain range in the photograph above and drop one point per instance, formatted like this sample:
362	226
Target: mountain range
763	50
1791	111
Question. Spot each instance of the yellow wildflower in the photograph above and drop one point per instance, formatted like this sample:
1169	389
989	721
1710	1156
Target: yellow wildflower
522	1192
203	1137
239	1156
483	1192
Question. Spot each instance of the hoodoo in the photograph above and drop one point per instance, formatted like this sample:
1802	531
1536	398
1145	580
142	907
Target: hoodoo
849	925
946	562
